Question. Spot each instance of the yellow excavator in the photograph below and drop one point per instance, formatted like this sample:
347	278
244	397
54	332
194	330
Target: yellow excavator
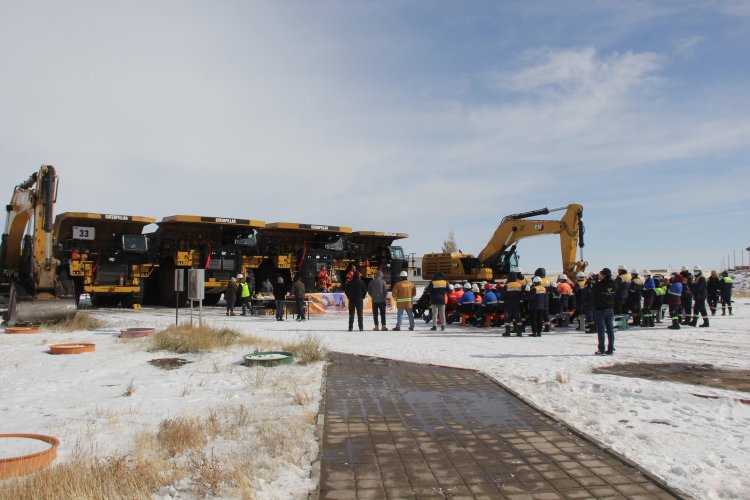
30	284
499	255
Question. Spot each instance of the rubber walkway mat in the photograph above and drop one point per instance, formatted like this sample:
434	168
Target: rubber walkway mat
403	430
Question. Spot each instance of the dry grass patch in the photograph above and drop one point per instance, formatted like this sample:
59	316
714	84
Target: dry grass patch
308	350
177	435
185	338
562	378
85	478
81	321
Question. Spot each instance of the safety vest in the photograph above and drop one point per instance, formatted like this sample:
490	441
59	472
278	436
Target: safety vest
245	290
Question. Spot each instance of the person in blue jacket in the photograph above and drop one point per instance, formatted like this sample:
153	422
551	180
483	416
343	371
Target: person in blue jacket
674	300
489	302
649	287
467	300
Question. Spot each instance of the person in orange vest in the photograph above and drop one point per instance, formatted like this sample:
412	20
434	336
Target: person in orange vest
451	300
566	292
323	280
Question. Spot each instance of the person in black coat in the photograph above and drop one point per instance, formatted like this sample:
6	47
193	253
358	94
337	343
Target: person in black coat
700	287
712	289
604	316
279	295
355	291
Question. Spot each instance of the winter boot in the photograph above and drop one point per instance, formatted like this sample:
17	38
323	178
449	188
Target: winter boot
507	331
521	330
730	311
591	328
675	324
651	321
694	321
723	311
548	327
636	320
713	311
705	322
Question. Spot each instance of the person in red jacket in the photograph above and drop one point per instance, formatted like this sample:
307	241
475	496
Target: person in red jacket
451	300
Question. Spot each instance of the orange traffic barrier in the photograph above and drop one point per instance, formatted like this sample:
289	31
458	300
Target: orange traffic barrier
26	464
75	348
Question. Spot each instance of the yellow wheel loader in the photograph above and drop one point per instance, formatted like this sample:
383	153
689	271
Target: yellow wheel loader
499	255
30	282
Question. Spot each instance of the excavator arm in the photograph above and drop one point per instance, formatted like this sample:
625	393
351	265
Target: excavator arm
516	227
28	270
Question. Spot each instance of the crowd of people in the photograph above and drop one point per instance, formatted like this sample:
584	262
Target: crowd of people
594	300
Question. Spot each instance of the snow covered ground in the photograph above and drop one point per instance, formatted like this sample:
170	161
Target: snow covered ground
698	445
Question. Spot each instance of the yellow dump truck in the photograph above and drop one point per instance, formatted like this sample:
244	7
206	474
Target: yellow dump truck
105	255
222	246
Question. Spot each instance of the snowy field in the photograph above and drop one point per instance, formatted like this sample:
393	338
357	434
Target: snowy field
697	445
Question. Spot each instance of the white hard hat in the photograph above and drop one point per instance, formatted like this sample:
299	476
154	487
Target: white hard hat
537	279
239	276
621	268
684	268
697	268
467	286
403	274
580	275
634	271
450	287
646	272
562	277
475	288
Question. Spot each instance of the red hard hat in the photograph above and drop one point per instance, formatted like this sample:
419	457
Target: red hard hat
487	286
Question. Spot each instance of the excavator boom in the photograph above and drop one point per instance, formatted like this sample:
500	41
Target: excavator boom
28	271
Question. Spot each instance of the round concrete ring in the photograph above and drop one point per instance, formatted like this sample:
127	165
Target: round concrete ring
134	333
269	358
26	464
74	348
21	329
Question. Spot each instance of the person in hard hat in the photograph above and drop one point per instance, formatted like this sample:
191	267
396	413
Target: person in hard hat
660	296
403	293
622	283
451	301
378	291
230	295
725	292
635	297
566	297
687	296
674	299
244	291
467	301
604	294
699	297
537	298
500	294
712	291
547	284
513	297
578	288
459	289
489	303
437	288
649	286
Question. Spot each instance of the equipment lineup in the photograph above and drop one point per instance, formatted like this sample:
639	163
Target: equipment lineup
48	262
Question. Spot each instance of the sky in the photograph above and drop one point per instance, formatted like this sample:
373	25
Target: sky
407	116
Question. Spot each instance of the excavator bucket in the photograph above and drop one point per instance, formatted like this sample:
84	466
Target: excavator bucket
25	311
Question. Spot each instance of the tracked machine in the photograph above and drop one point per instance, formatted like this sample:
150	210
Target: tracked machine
105	255
499	255
31	286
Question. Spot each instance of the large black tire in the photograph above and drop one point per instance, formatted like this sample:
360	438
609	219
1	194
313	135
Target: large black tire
98	300
166	286
133	299
211	299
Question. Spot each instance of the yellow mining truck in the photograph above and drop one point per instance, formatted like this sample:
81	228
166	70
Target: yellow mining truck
31	287
222	246
372	251
292	248
105	255
498	257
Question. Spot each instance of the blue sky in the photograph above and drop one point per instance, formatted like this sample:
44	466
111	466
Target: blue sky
413	116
